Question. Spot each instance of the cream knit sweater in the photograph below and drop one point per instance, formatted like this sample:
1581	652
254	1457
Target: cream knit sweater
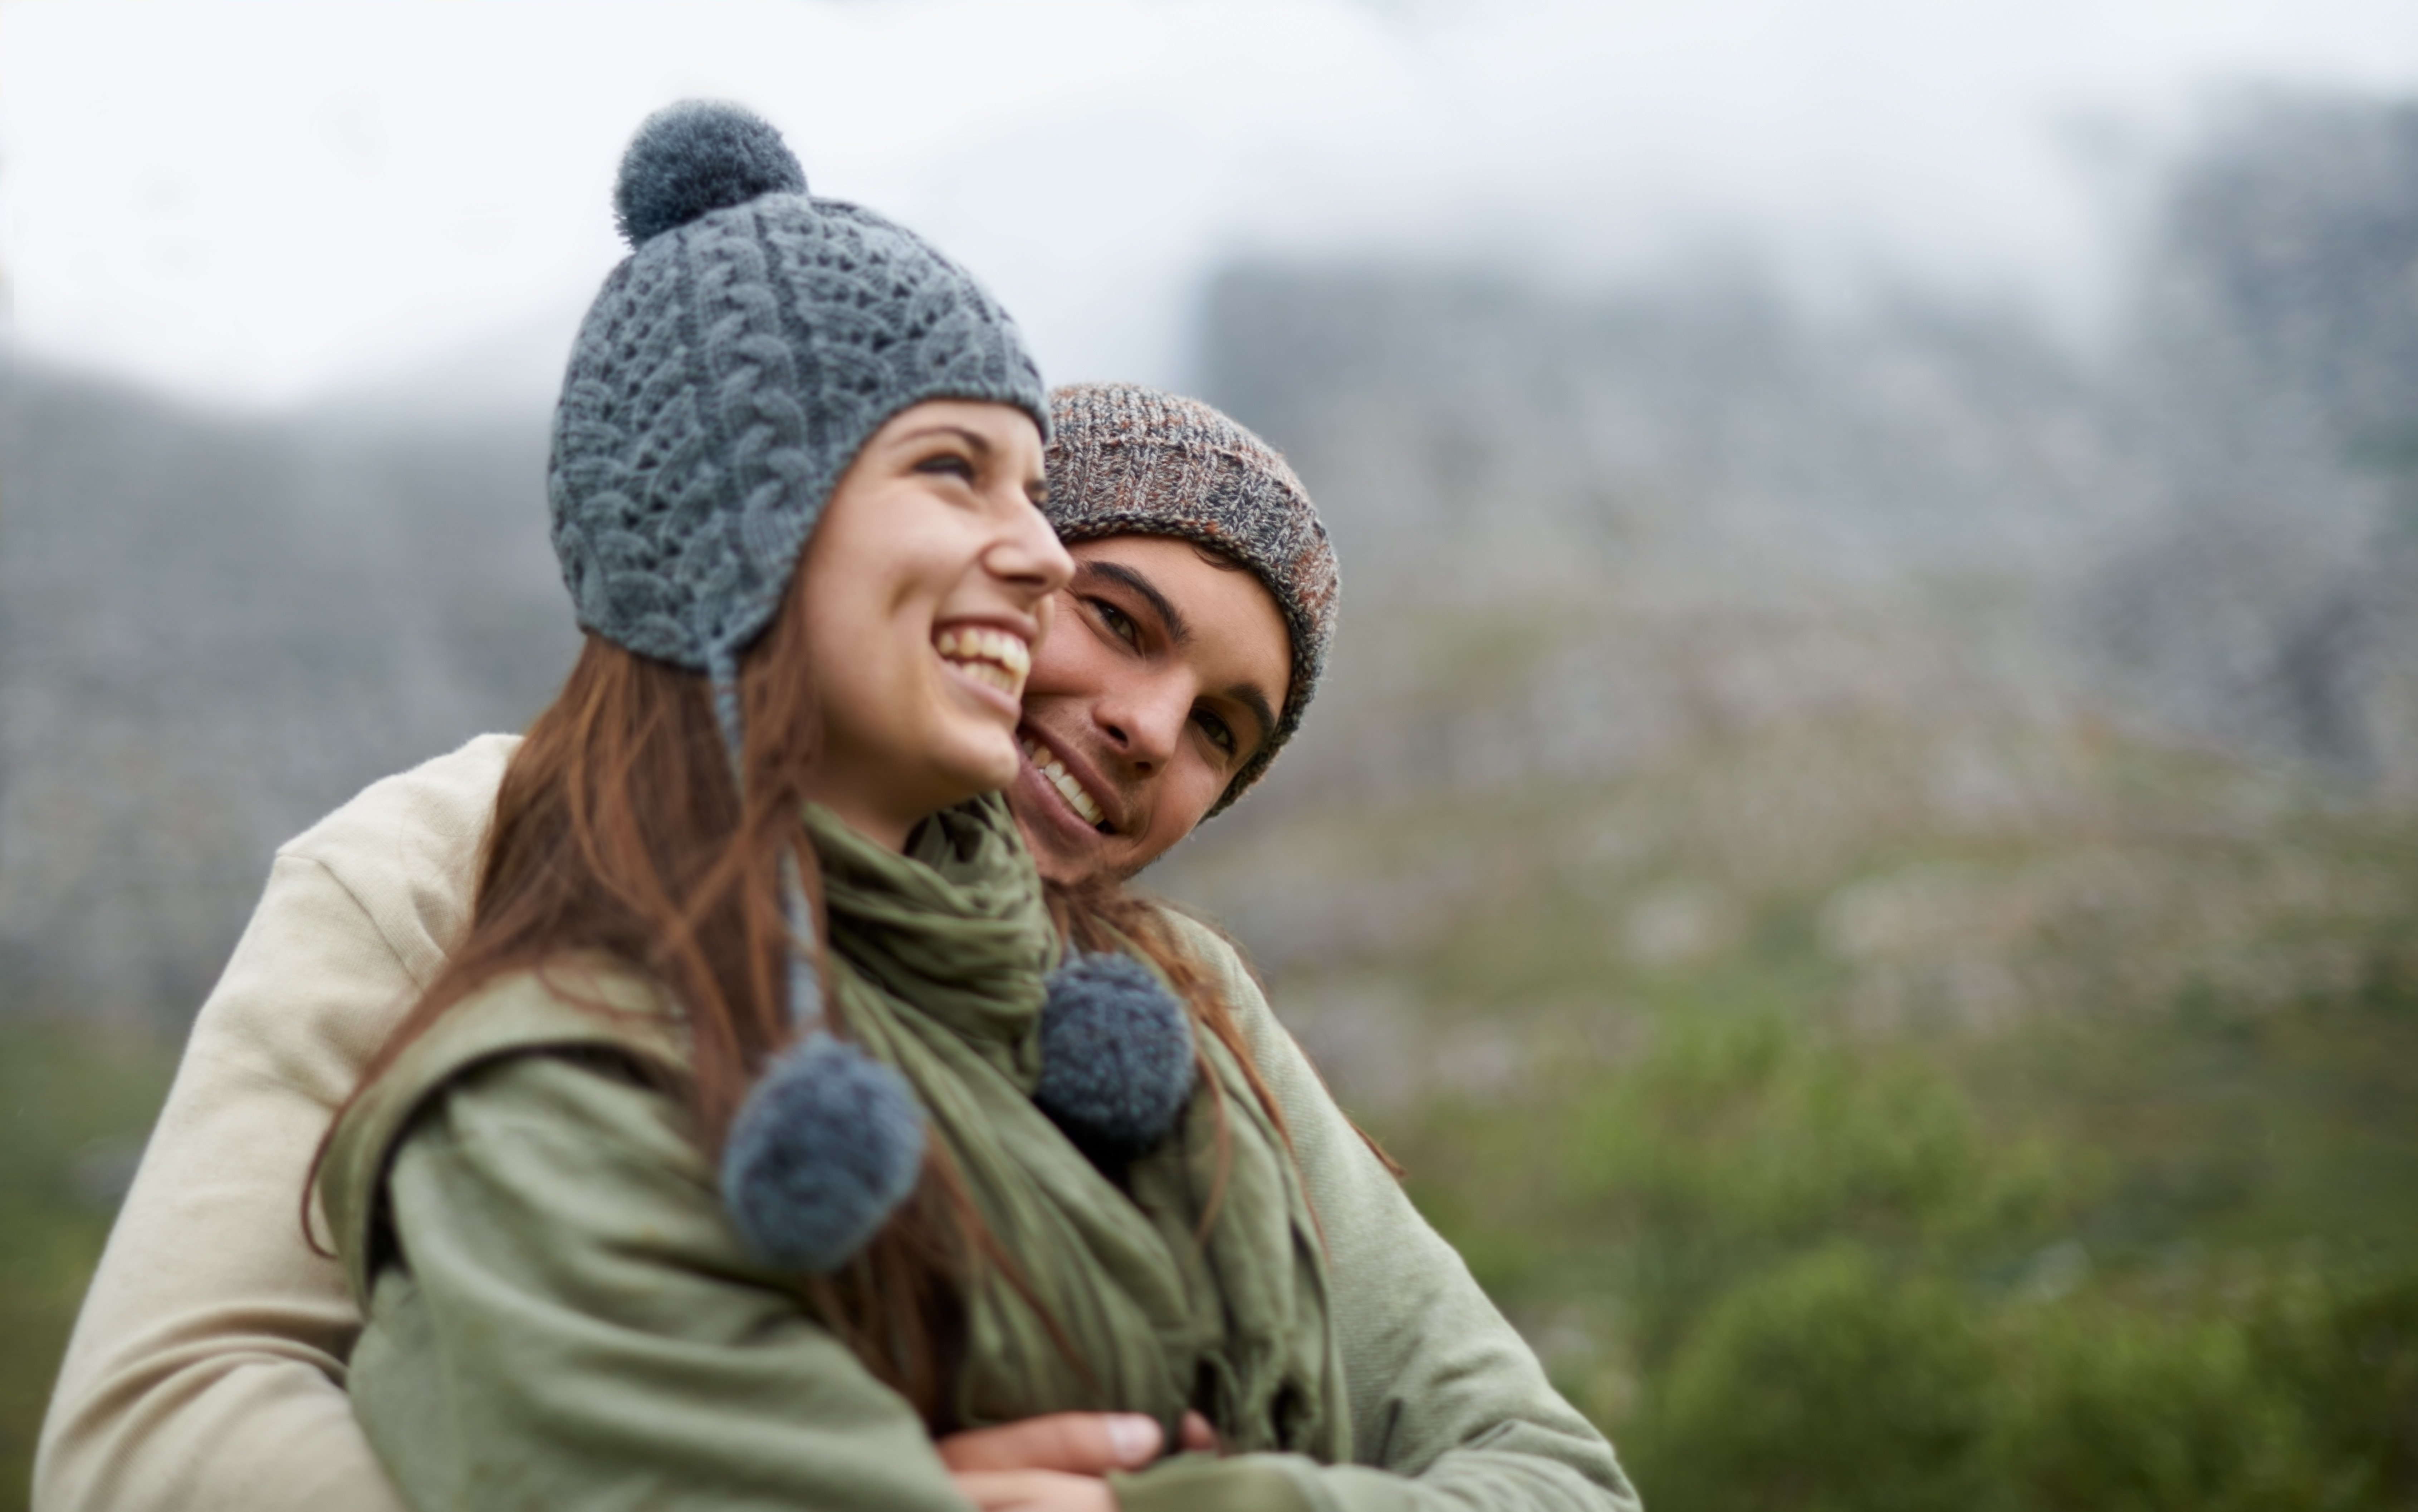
207	1368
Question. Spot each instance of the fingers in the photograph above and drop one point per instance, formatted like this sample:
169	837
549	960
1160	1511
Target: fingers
1034	1490
1194	1433
1076	1444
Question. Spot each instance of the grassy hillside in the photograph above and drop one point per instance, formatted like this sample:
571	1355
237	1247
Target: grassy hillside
1866	1091
1890	1093
2160	1261
1804	1216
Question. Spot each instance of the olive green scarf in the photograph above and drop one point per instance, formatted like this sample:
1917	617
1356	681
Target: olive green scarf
941	955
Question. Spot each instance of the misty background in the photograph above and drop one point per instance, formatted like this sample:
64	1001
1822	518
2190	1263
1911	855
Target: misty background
1761	370
1869	532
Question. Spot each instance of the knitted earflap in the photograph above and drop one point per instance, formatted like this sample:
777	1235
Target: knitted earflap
1116	1055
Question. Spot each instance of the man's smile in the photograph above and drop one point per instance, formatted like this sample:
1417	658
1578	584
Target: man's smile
1053	769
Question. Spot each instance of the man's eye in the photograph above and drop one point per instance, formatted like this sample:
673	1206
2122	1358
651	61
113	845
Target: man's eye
1119	622
1220	734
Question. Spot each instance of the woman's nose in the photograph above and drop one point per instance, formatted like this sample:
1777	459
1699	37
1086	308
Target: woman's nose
1030	556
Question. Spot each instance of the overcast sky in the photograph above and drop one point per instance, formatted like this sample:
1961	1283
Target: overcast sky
257	203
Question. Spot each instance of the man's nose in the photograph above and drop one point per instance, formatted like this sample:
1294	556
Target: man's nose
1144	721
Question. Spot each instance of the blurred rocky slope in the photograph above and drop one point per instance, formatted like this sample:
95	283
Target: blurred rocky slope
213	629
1980	673
1675	605
2271	383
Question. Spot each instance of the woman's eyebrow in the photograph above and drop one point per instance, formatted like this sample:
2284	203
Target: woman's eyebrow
975	439
1178	628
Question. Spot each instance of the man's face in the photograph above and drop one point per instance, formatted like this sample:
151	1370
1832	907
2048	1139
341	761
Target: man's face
1162	675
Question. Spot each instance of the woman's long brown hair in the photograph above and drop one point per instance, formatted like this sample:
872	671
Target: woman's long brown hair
618	830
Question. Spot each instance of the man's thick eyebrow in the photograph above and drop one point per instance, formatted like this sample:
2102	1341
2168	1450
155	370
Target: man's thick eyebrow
1178	628
1251	697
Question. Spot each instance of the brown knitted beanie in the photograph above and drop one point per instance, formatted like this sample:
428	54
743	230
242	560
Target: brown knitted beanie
1129	460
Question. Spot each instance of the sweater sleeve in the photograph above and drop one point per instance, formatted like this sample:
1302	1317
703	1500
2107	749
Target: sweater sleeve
206	1368
207	1371
1451	1409
572	1322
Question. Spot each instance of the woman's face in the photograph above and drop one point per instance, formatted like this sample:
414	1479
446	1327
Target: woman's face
926	585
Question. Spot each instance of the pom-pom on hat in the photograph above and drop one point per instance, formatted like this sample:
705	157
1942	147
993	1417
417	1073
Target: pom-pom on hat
1116	1055
826	1146
695	158
729	372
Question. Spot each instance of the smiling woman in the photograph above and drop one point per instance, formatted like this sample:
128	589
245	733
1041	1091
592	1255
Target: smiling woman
921	596
762	1132
716	1166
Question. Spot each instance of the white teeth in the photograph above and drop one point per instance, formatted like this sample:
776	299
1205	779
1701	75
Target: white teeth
1008	651
1049	767
997	677
992	657
1074	791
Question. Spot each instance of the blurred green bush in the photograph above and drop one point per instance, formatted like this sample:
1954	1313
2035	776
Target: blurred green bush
1793	1269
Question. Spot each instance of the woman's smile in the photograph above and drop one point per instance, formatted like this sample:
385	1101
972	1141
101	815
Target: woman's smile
925	586
996	659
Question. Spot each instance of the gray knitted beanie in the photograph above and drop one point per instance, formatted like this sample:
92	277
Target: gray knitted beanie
1127	460
736	361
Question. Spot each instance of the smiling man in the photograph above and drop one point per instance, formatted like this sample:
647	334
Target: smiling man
207	1369
1190	640
1157	692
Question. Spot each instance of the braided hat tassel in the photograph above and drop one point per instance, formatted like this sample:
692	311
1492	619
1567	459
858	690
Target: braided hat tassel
830	1140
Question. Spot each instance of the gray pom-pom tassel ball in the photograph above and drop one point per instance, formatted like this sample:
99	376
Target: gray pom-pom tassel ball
1116	1055
695	158
826	1146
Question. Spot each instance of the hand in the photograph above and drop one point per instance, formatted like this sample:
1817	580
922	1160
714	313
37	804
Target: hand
1054	1463
1034	1490
1075	1444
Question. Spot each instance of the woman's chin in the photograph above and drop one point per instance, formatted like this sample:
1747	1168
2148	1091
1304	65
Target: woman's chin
985	766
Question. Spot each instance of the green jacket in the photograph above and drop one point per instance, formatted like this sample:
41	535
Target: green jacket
576	1324
578	1327
208	1366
